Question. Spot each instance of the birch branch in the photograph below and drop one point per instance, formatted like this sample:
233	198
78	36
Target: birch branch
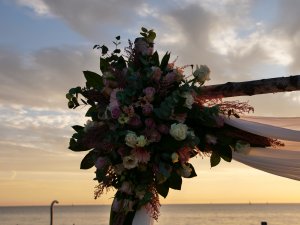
255	87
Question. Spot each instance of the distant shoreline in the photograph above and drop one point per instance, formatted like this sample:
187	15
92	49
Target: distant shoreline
175	204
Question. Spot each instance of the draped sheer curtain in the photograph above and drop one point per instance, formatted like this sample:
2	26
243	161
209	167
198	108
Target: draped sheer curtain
282	161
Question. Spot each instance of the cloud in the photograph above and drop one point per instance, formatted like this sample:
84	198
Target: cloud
38	6
41	79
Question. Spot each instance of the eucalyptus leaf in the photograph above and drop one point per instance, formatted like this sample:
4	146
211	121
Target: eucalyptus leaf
89	160
77	128
93	80
163	189
214	159
175	181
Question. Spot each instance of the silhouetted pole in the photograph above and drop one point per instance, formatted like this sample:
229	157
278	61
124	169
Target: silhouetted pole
255	87
264	223
51	211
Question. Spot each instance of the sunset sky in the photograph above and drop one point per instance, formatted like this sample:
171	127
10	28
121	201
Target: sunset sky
45	44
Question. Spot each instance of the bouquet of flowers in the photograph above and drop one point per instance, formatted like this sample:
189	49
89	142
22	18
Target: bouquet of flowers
147	119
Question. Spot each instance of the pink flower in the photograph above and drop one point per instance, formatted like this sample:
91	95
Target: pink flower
184	154
115	112
170	66
179	117
142	155
149	92
156	73
126	187
142	46
113	101
149	122
147	109
135	121
162	128
129	110
153	135
101	162
170	77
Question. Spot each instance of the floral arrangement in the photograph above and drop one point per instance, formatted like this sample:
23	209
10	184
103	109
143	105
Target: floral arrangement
147	119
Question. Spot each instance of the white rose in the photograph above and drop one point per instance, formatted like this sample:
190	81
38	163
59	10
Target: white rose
189	100
178	131
201	73
131	139
175	157
141	141
185	171
242	147
130	162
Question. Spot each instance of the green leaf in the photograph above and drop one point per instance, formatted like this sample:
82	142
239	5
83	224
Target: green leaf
92	112
104	64
214	159
93	80
226	153
69	96
175	181
165	169
71	105
144	29
76	146
165	61
77	128
151	35
155	59
104	49
88	161
163	189
74	91
74	100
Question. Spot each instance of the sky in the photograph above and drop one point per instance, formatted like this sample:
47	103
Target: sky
46	44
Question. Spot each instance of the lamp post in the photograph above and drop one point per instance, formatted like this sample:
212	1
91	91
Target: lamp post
51	211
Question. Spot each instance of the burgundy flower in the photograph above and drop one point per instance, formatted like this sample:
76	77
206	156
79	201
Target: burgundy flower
135	121
115	112
184	154
127	187
149	92
170	77
156	73
142	155
153	135
162	128
147	109
150	123
101	162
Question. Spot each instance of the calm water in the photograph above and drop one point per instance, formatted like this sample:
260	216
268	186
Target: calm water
211	214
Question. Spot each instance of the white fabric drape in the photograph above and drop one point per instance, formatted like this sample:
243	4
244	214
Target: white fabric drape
142	218
282	161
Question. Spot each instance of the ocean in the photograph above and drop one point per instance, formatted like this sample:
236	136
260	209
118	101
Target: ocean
202	214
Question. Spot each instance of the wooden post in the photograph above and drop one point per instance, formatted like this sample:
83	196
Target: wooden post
255	87
51	211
